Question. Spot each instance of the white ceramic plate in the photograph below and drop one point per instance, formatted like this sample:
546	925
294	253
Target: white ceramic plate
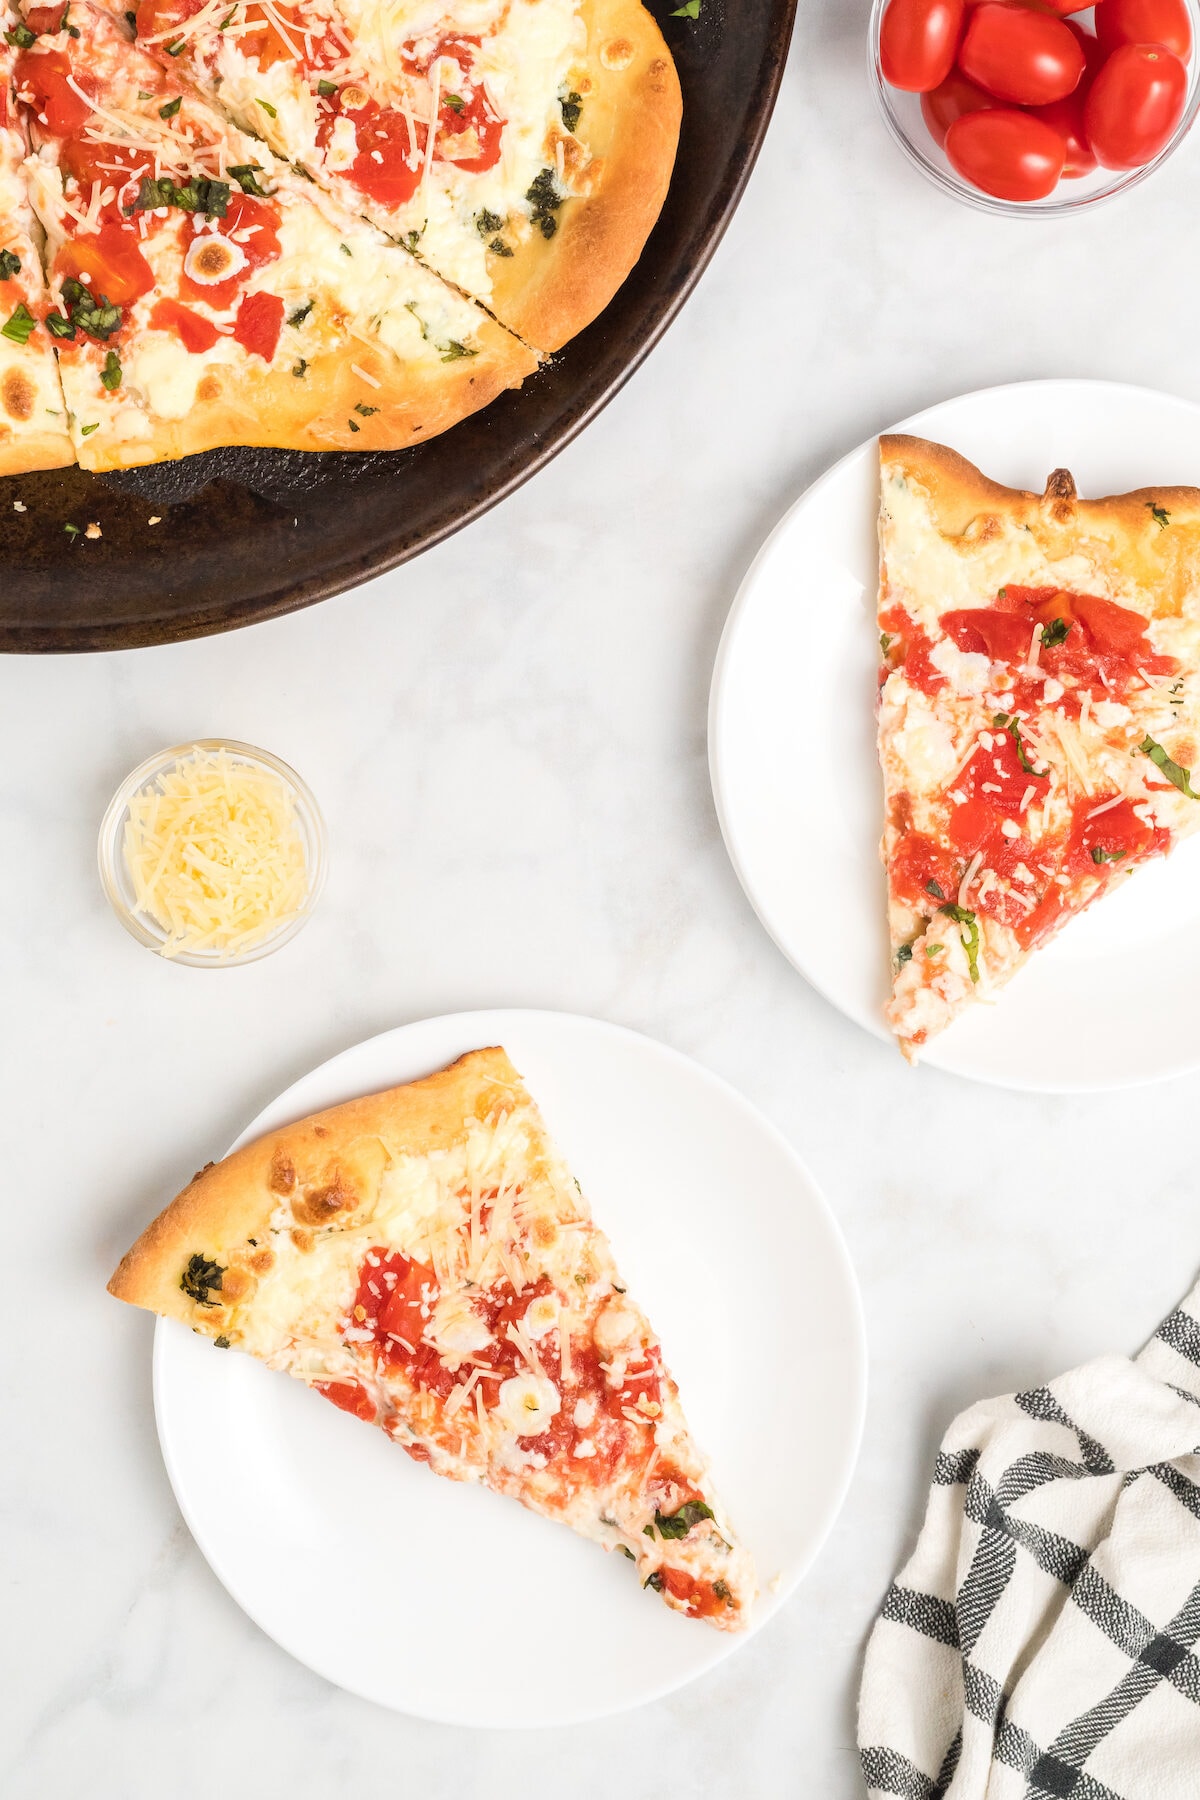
1113	1001
448	1601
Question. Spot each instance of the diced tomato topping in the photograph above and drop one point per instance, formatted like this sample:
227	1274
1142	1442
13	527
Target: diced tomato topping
156	16
911	650
405	1312
112	263
394	1294
194	333
46	21
387	166
469	134
89	162
918	867
1094	643
350	1397
699	1598
42	74
259	322
1106	841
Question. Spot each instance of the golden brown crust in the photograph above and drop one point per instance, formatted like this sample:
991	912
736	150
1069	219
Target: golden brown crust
1125	536
269	406
322	1165
632	107
22	450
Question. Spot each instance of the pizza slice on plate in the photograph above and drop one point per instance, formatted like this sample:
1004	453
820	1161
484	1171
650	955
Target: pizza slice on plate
1039	713
521	148
424	1259
205	294
33	414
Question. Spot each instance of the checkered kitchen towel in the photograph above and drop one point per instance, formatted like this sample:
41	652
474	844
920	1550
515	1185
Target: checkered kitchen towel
1044	1639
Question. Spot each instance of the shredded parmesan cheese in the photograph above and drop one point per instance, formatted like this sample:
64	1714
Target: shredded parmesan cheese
215	855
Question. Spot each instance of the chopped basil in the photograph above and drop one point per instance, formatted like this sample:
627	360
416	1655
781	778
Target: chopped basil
1103	856
227	21
110	374
885	643
20	325
1177	776
544	199
647	1531
1008	722
626	1551
498	247
73	531
222	1342
366	411
1054	633
21	38
721	1590
345	250
933	887
689	10
571	107
201	1277
677	1525
143	95
10	265
63	25
93	313
904	954
934	949
455	102
300	369
326	89
1159	514
243	174
270	111
87	430
131	21
353	426
486	221
301	313
454	351
963	916
653	1580
171	108
198	194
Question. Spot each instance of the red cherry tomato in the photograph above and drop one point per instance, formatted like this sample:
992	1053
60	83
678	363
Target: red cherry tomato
1163	22
1066	117
1019	55
195	333
1008	154
1093	55
55	104
1134	104
954	97
917	42
1062	6
258	324
111	261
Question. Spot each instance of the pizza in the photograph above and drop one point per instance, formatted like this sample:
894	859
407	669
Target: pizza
522	148
312	227
202	293
424	1260
33	424
1039	713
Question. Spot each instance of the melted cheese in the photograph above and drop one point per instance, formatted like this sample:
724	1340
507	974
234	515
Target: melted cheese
215	855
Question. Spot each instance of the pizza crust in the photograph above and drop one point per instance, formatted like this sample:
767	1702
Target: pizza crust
632	107
335	1153
269	406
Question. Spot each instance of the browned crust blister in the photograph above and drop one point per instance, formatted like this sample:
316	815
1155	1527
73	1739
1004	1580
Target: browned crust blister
321	1165
632	107
1123	535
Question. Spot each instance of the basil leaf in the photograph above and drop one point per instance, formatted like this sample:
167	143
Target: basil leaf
653	1580
689	10
201	1277
243	174
454	351
301	313
677	1525
326	89
570	108
1010	725
10	265
300	369
87	430
932	887
59	327
74	531
1054	634
1178	777
20	325
455	102
1159	514
270	111
904	955
1107	856
20	37
366	411
110	374
171	108
963	916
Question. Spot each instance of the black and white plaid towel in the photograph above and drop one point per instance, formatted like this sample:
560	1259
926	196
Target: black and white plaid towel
1044	1639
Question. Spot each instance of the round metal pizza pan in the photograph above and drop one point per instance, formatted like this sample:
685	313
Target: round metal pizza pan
245	535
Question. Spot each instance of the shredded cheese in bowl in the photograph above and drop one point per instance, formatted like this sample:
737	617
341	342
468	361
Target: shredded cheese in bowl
212	853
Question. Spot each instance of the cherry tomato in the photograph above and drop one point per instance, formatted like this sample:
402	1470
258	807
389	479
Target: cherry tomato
1020	55
1007	153
1093	55
1163	22
1066	117
195	333
954	97
1062	6
1134	104
258	324
917	42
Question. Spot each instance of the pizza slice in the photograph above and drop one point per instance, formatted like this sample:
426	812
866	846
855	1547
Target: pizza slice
33	414
424	1259
521	148
204	294
1039	713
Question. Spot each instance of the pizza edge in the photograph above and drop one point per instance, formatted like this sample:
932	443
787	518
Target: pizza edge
230	1201
556	286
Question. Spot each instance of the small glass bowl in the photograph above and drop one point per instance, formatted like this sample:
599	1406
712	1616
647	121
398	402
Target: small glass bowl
114	872
902	116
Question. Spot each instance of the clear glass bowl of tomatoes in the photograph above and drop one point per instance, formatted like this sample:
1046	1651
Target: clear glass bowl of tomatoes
1036	106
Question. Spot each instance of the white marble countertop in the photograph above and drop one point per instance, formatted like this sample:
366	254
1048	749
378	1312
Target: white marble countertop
508	740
